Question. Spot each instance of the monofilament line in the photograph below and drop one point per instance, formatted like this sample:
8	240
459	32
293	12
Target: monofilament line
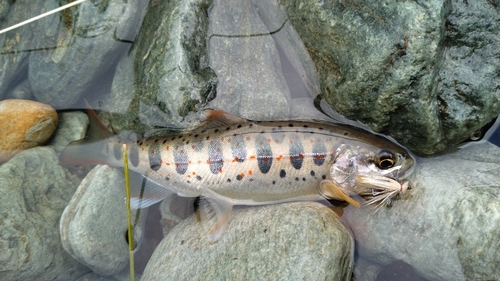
42	15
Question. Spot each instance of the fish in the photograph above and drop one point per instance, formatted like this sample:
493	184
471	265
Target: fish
228	160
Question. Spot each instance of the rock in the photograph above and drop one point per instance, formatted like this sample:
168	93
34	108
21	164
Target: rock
295	241
167	69
94	224
34	191
425	74
53	74
72	126
449	220
25	124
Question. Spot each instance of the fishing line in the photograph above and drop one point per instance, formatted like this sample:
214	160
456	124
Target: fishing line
129	219
248	35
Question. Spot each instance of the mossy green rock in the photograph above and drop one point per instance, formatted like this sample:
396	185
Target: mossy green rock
165	75
425	73
294	241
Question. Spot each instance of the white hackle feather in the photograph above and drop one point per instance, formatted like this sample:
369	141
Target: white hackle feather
380	189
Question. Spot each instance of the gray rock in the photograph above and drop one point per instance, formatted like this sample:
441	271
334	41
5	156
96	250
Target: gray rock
34	191
433	90
166	73
94	224
447	225
72	126
16	44
88	49
295	241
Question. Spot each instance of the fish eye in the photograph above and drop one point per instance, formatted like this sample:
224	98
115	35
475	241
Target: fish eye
385	159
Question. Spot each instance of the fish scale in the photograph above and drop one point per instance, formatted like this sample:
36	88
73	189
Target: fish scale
228	160
280	161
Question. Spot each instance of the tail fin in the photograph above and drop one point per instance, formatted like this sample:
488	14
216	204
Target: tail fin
91	149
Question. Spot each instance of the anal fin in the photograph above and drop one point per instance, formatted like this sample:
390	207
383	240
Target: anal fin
214	211
330	190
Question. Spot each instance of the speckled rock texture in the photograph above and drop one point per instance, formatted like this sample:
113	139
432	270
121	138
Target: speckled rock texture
167	73
447	225
24	124
425	73
295	241
94	224
34	190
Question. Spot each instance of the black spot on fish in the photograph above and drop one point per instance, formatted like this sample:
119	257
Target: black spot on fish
117	152
188	181
180	159
346	133
156	140
297	179
320	128
154	156
323	177
228	180
305	126
250	180
216	130
319	153
238	148
264	154
198	178
228	128
239	126
215	156
164	141
208	137
239	177
304	179
313	173
250	126
296	154
290	125
167	178
196	135
133	155
282	174
274	182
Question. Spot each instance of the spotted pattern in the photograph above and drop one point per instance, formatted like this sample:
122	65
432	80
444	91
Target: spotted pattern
117	151
238	148
264	154
180	158
296	153
215	156
154	156
319	153
133	154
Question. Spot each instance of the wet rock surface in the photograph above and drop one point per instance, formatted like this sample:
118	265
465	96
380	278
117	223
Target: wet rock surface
446	228
424	73
170	68
34	191
259	241
24	124
72	126
94	224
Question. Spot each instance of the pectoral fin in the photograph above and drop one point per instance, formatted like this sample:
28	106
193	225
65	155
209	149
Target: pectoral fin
330	190
214	211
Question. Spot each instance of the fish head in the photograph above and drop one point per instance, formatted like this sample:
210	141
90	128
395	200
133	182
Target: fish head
371	168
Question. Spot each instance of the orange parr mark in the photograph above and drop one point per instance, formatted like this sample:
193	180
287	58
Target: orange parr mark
222	139
208	161
277	140
311	141
252	157
182	151
235	159
152	151
143	149
193	146
229	140
319	156
261	143
211	142
199	161
242	175
301	156
269	140
250	172
291	141
189	162
279	157
168	175
249	138
265	159
168	148
194	173
189	176
176	147
168	164
305	138
220	171
161	161
218	149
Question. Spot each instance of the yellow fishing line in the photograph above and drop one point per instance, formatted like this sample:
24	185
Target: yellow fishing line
129	216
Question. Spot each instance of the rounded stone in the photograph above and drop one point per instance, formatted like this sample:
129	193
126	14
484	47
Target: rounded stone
25	124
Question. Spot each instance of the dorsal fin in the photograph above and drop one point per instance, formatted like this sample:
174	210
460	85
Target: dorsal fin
213	118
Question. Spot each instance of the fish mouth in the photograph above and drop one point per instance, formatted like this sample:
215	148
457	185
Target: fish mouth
407	168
